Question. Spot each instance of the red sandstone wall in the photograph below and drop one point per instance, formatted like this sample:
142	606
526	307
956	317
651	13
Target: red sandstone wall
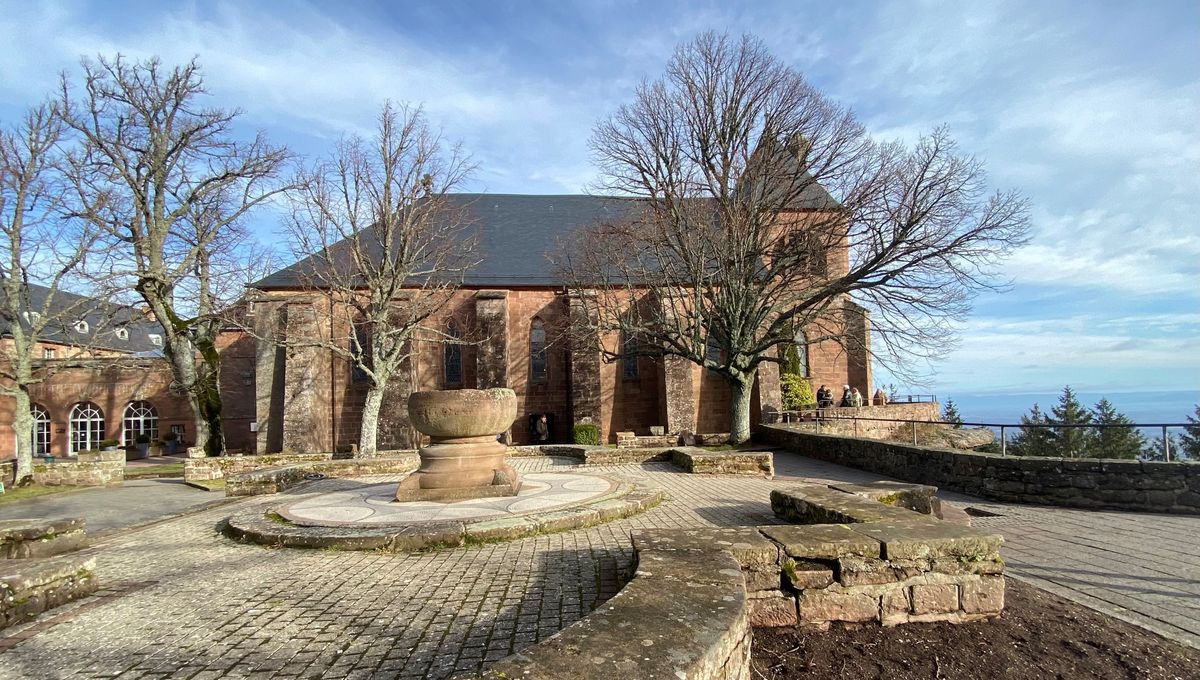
111	387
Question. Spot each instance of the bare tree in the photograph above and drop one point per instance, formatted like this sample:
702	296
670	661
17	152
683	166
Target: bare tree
767	209
167	183
40	253
384	243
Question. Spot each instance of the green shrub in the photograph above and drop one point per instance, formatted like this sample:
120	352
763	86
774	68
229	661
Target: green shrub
587	434
797	392
143	439
107	443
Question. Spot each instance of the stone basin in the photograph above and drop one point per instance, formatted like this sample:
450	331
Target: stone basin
448	414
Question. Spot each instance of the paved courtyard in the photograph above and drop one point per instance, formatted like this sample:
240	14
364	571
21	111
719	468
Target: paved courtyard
180	600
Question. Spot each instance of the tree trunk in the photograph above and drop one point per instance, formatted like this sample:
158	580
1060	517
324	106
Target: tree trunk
23	428
201	383
207	395
368	433
739	409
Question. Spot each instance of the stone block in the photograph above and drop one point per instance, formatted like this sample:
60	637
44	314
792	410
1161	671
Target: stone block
929	540
865	571
983	596
822	541
805	574
939	598
763	580
773	612
817	606
895	606
747	545
957	566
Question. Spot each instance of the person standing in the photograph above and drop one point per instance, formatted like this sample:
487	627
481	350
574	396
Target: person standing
542	429
856	399
847	397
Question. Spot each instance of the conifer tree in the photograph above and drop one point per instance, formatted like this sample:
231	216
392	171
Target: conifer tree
1115	442
1154	449
1071	442
950	414
1033	441
1189	441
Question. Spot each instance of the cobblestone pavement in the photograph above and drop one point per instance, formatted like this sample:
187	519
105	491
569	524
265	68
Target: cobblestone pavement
180	600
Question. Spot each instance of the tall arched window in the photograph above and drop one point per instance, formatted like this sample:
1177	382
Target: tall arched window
801	357
41	430
452	355
140	418
537	351
87	426
629	357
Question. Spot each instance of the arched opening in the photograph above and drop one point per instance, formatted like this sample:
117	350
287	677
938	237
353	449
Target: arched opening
797	363
41	430
140	418
629	357
86	427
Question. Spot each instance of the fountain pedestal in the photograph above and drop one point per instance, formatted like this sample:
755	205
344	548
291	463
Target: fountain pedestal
464	460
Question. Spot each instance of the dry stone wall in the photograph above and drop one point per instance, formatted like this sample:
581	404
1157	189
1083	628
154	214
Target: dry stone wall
91	468
1081	483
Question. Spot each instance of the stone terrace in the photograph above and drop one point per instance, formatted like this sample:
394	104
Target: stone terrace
181	600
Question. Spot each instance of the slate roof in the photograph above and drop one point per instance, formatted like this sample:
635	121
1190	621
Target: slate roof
518	234
103	319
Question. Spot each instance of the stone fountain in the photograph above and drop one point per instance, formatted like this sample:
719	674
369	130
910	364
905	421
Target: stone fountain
464	460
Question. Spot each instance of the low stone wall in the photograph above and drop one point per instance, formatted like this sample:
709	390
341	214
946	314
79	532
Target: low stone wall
37	571
28	538
1138	486
90	468
200	468
271	480
701	462
8	472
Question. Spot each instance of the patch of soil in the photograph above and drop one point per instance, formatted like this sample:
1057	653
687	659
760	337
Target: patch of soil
1039	636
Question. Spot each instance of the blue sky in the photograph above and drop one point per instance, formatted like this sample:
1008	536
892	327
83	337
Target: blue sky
1092	109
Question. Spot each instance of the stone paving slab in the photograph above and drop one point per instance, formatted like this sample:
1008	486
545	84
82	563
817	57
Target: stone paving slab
188	603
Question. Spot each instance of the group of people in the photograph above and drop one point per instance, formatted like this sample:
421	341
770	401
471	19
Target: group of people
851	397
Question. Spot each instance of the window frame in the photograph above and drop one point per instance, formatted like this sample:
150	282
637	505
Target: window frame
539	366
92	428
145	421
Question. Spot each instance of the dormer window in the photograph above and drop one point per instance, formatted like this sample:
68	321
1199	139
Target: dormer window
122	333
156	339
81	326
32	317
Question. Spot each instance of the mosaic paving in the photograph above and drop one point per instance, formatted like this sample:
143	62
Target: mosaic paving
374	504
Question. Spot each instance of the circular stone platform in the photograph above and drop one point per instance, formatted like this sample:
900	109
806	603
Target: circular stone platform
366	517
376	505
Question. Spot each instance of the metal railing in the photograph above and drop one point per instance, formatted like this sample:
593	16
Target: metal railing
850	413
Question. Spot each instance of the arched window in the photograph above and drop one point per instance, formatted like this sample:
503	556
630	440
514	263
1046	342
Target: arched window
799	362
712	350
537	351
452	355
87	427
41	430
629	357
140	418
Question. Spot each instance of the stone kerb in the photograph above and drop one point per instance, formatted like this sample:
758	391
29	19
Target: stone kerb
681	616
1139	486
38	571
274	528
